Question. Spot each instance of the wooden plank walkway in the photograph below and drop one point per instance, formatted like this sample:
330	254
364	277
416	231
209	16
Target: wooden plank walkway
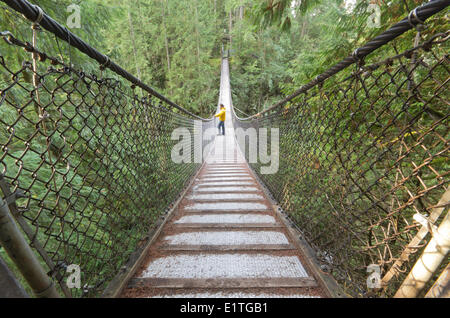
224	239
224	242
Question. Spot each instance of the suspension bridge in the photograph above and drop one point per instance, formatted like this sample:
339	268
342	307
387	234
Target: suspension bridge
225	239
357	208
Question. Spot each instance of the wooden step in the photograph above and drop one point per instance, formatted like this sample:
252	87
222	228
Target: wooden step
229	248
225	211
228	225
226	174
221	190
225	196
226	179
227	169
204	184
227	206
227	165
192	200
222	282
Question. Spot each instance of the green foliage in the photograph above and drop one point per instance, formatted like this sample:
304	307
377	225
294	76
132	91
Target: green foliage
175	47
171	45
279	12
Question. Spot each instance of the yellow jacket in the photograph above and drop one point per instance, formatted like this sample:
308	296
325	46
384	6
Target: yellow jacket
221	115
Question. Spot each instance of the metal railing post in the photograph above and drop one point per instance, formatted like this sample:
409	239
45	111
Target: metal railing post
441	287
20	252
433	255
11	287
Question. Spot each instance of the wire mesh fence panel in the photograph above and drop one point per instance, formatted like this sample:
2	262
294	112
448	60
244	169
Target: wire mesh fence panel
362	153
88	160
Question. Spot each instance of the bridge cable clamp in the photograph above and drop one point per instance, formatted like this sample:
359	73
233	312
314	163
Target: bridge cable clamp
355	56
359	61
418	24
106	64
414	20
7	36
39	18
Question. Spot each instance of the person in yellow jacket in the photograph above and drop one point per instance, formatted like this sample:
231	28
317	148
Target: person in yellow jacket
221	116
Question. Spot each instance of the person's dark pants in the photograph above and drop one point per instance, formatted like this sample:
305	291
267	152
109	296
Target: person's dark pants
222	124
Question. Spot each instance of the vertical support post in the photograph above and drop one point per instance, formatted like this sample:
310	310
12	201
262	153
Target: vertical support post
11	288
435	252
20	252
418	238
441	287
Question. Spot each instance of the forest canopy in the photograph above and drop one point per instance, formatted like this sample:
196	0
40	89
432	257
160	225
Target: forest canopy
175	46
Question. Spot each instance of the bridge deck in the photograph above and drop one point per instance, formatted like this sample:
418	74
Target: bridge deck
224	240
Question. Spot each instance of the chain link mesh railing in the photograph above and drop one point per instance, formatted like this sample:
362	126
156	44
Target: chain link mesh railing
361	154
85	161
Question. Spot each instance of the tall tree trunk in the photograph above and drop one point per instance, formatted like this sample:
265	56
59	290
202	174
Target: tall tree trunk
198	44
133	42
166	41
196	31
304	26
263	67
230	28
140	10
